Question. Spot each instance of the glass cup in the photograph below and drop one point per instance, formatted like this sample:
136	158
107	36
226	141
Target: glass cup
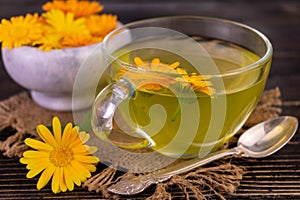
181	86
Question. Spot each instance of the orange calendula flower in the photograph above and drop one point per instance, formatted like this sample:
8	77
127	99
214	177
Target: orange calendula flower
61	155
156	65
101	25
200	84
152	80
49	42
19	31
79	8
79	40
64	23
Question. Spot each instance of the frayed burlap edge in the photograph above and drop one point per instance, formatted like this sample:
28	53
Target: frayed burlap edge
203	182
218	178
22	115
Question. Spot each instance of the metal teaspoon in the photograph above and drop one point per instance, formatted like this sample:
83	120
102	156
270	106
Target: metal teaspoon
259	141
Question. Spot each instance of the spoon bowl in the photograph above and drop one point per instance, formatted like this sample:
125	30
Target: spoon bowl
267	137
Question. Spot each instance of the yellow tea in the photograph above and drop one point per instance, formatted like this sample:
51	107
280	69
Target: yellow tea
186	123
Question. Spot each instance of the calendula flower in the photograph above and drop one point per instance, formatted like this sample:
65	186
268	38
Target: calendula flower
196	82
62	156
79	8
80	40
19	31
101	25
64	23
158	80
49	42
200	84
156	65
169	75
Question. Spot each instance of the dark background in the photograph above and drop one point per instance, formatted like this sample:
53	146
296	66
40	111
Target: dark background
275	177
279	20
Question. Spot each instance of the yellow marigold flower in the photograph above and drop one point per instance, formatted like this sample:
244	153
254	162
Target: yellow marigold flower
20	31
55	5
196	82
149	80
62	156
79	40
49	42
64	23
200	84
101	25
156	65
159	79
79	8
181	71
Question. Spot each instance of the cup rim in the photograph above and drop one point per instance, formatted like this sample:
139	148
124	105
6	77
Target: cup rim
264	59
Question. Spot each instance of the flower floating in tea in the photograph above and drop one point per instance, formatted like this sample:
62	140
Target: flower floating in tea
156	65
62	156
200	84
162	75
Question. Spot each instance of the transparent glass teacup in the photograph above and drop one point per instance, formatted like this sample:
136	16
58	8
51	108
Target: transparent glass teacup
182	86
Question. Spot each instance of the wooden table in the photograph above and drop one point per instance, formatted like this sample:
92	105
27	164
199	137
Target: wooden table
275	177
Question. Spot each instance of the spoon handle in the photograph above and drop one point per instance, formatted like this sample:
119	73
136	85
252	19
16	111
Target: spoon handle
191	164
138	184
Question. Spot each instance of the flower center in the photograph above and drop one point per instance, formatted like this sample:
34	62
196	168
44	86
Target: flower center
61	156
19	31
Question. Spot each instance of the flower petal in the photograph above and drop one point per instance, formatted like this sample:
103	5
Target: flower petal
86	159
25	160
37	169
155	60
90	167
84	136
83	172
55	181
68	179
84	149
67	133
32	173
138	61
46	176
74	137
91	149
37	162
75	176
36	154
174	65
80	149
46	135
56	129
63	186
36	144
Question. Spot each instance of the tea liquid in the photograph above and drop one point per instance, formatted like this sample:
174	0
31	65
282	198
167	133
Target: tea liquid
188	126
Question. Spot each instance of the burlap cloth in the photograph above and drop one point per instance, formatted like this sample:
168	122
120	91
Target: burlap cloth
19	115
